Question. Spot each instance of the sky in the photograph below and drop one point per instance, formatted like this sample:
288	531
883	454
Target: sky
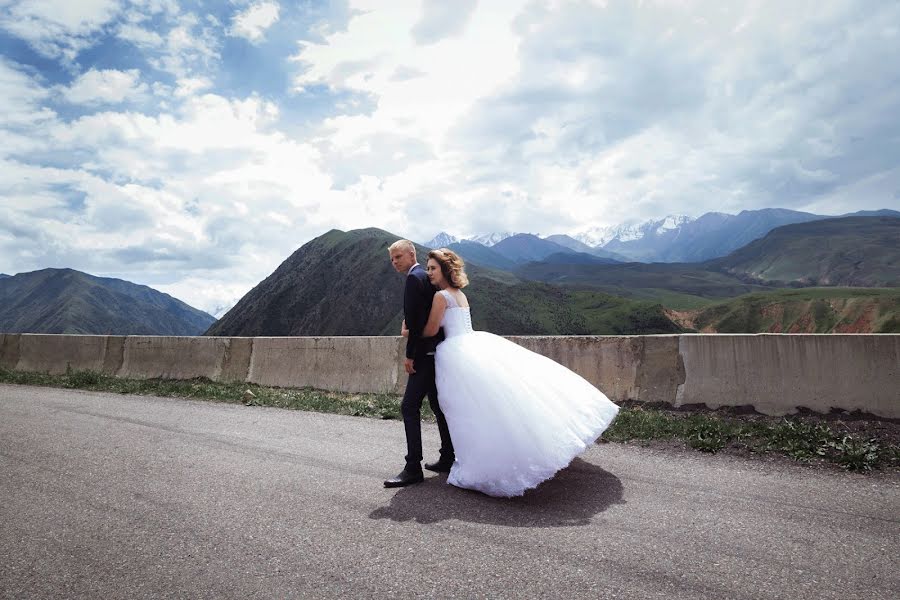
193	145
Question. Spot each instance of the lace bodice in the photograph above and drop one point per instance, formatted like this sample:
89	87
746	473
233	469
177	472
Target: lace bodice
457	319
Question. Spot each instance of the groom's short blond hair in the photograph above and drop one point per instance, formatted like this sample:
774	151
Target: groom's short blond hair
403	245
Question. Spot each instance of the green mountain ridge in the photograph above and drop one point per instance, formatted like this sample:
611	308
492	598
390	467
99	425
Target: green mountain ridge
849	251
72	302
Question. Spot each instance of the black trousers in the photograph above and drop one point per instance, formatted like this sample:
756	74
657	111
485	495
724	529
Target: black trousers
421	384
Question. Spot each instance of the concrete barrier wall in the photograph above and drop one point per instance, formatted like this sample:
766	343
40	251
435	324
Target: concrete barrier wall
774	373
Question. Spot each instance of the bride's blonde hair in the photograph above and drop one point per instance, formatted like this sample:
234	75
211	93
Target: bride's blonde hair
452	266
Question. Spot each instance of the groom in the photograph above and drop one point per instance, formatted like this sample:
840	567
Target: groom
418	295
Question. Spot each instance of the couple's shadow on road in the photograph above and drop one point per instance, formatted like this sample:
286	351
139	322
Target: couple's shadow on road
576	494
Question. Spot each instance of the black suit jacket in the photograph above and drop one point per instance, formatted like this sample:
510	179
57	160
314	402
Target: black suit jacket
418	296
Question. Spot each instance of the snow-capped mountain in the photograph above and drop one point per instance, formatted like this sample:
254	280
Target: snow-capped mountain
596	237
674	238
489	239
441	240
219	310
630	231
673	222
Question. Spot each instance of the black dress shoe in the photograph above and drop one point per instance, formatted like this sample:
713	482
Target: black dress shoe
441	466
406	477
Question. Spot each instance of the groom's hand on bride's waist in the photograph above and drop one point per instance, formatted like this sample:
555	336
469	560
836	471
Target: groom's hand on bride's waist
408	365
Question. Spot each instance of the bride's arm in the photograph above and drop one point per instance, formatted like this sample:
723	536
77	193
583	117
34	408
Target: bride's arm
434	318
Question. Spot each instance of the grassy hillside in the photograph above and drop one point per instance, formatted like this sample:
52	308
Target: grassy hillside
612	315
808	310
68	301
852	251
682	285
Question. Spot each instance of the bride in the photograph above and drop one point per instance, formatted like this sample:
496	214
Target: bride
516	417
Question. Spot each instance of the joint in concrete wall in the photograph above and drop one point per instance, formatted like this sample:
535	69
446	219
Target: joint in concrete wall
9	350
113	354
680	375
235	366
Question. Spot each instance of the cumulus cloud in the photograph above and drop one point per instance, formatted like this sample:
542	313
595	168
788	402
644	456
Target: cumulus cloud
190	45
441	19
139	36
57	28
252	23
21	100
106	87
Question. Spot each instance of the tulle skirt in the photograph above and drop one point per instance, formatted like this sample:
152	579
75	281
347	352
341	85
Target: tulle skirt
515	417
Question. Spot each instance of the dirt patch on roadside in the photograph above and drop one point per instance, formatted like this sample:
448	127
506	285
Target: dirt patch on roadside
886	432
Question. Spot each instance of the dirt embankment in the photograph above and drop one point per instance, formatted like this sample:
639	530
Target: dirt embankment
791	315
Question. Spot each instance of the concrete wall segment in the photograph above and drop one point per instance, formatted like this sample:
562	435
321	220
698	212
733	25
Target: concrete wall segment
170	357
777	374
348	364
54	354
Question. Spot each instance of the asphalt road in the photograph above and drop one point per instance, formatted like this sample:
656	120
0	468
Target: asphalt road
110	496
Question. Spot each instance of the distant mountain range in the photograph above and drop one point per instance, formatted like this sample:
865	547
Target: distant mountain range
4	276
444	239
68	301
481	255
852	252
519	249
573	244
675	238
342	283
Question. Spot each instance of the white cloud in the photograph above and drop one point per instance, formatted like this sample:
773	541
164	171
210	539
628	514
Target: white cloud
57	28
189	47
440	19
365	59
139	36
106	87
252	23
189	86
21	97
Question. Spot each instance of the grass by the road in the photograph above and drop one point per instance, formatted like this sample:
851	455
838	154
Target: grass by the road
800	439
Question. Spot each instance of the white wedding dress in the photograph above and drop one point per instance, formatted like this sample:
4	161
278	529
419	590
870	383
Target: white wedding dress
516	417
